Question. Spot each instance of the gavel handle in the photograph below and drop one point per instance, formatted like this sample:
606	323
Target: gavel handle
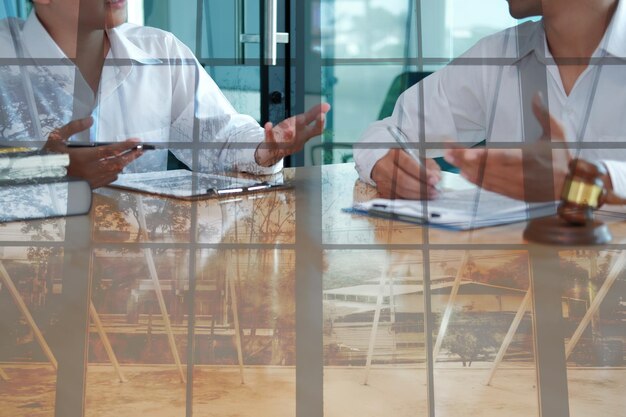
612	198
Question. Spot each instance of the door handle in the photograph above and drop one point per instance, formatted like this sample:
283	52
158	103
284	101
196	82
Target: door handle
239	22
271	37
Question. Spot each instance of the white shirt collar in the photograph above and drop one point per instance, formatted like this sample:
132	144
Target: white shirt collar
532	37
615	36
123	48
40	44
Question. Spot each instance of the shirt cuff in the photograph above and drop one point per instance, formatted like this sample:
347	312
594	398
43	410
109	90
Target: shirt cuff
617	172
246	158
365	159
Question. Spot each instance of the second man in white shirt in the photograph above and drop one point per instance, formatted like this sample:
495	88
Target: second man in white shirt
579	46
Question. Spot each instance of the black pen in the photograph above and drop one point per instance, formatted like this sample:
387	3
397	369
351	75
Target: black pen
143	146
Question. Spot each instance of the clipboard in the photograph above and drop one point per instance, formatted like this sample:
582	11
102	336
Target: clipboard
188	185
456	210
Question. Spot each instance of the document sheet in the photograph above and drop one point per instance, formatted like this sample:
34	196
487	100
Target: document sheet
460	205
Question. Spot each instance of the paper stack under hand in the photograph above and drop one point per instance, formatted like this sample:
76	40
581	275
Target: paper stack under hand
34	184
460	206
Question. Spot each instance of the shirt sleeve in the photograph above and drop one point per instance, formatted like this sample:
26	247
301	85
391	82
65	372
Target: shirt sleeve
221	138
617	172
448	105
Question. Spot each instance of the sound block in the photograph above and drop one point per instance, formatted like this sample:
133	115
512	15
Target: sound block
556	231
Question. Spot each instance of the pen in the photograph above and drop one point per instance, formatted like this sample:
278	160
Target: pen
258	187
144	146
403	141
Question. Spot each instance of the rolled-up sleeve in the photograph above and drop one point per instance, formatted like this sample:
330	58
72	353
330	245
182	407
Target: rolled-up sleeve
447	105
617	172
223	139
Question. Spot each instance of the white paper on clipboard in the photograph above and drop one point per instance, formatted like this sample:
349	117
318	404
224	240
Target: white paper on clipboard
460	206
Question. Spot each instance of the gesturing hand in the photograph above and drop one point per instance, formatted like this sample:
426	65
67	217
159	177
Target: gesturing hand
290	135
520	173
99	165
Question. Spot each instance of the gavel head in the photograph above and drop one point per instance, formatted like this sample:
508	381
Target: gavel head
583	192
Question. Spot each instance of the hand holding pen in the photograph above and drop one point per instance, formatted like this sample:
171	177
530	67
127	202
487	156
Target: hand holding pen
402	174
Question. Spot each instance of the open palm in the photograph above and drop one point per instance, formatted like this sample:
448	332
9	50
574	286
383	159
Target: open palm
290	135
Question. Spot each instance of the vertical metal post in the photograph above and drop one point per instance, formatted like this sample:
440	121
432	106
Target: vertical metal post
309	241
428	329
546	291
73	315
73	325
428	319
309	294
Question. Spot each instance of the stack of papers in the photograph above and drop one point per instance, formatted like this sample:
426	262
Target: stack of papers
17	163
460	206
34	185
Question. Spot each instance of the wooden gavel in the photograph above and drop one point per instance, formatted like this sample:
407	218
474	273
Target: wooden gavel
584	192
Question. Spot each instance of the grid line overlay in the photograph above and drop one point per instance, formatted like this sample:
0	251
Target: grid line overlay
304	225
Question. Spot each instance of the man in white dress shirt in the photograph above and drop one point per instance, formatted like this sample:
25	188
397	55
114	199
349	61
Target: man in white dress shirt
579	47
80	72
